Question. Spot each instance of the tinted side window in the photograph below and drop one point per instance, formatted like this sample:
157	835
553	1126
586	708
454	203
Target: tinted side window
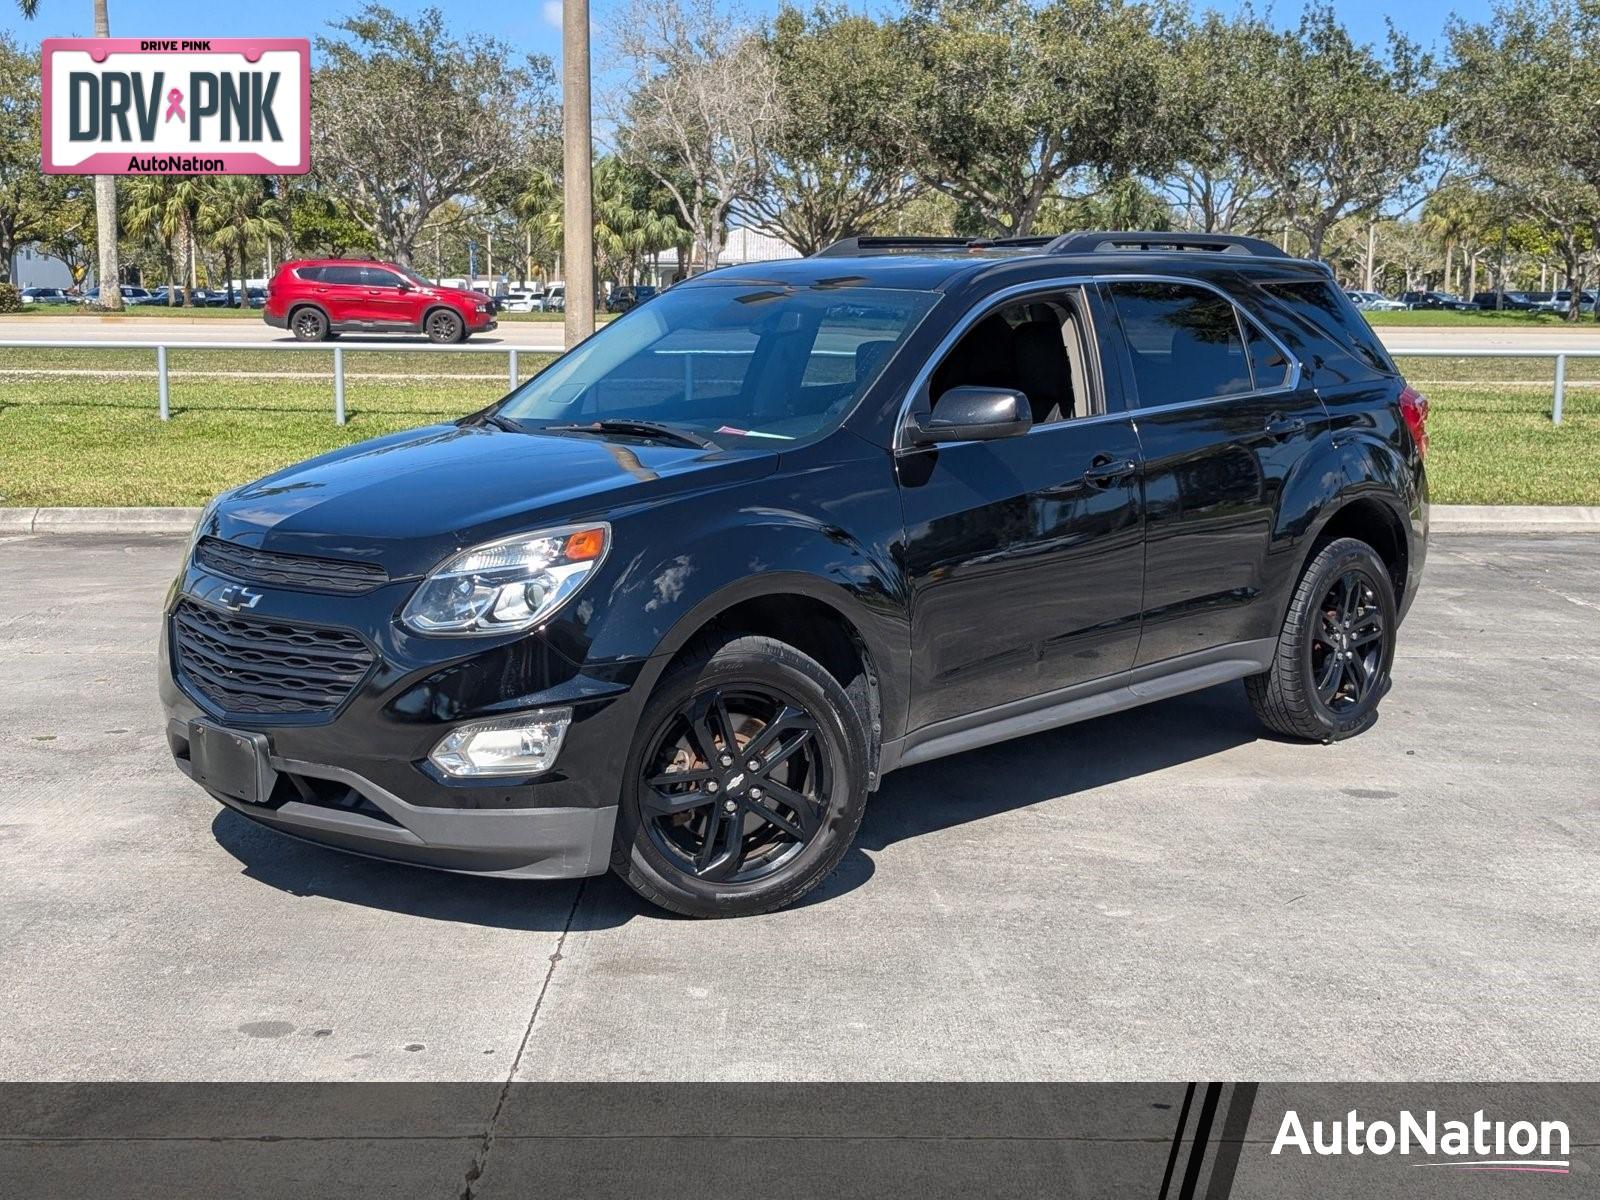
1184	341
1341	329
309	274
345	275
1268	367
376	277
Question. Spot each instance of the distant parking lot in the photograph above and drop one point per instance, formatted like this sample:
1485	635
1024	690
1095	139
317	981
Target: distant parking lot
1165	893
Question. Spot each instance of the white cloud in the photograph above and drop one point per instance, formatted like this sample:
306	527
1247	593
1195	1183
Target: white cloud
552	12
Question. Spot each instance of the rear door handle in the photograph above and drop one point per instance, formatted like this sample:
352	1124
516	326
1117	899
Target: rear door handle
1103	471
1278	426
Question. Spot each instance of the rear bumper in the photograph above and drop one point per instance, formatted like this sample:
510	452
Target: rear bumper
276	320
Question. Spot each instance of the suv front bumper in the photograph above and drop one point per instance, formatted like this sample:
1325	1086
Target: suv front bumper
358	778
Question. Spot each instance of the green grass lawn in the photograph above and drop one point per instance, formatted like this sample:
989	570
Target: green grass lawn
92	437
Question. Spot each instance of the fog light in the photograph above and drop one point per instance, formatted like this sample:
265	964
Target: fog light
524	745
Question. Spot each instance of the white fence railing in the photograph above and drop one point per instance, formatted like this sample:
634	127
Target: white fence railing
513	379
161	348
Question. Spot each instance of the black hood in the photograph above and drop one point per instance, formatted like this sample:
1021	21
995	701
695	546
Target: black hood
407	500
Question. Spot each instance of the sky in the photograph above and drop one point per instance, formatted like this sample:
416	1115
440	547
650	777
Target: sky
534	25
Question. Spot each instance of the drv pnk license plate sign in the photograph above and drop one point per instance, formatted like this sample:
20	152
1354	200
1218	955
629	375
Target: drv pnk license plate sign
165	106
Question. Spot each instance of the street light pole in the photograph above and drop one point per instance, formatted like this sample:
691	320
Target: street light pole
577	236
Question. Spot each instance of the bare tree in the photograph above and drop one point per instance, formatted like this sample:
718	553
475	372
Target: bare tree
701	112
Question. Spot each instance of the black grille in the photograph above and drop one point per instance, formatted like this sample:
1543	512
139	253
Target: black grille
252	665
299	571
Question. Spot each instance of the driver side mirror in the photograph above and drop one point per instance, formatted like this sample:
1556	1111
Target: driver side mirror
972	414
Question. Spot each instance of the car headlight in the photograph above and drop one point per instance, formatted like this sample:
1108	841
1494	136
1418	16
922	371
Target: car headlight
509	585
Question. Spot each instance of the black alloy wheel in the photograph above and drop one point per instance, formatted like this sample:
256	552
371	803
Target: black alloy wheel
310	325
736	785
1347	642
1331	665
746	781
444	326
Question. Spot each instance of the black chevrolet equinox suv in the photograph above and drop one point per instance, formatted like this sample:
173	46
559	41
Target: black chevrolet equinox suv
677	605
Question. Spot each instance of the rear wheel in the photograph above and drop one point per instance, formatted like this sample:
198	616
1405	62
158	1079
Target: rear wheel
746	782
309	325
442	325
1336	648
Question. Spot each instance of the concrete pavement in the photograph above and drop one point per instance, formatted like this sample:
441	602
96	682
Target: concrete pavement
547	335
1165	893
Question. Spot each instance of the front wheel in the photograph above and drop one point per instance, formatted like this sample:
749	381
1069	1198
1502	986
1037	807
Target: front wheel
1336	649
745	784
443	325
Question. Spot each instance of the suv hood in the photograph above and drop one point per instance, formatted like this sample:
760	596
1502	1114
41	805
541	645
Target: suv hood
408	500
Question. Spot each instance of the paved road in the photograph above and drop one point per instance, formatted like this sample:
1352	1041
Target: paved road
1159	894
547	335
535	335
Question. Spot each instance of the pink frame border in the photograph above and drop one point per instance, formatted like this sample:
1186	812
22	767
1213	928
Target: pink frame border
233	163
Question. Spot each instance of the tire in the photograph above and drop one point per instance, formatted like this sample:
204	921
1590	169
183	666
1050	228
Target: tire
780	706
1340	629
309	325
443	325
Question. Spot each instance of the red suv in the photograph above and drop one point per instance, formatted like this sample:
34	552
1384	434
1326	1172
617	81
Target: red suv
318	299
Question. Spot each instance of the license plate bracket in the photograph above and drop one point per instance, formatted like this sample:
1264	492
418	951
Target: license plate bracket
229	761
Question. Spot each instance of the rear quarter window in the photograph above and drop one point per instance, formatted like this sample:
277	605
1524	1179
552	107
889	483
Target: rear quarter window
1328	332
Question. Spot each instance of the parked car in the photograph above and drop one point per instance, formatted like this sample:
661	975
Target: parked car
1447	301
555	298
676	605
131	296
1374	302
520	300
322	298
621	299
1586	300
179	297
46	295
1504	301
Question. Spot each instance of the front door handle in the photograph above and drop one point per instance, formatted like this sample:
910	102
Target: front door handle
1280	426
1103	471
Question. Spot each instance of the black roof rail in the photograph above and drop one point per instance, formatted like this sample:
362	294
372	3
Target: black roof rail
1150	239
846	247
868	244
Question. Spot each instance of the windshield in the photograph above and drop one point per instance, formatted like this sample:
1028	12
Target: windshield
729	360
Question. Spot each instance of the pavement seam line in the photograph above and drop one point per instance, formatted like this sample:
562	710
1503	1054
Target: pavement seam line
481	1159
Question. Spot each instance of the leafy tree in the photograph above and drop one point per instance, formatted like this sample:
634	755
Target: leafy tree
405	117
1010	100
1219	104
1336	127
701	112
1522	91
105	186
835	169
26	195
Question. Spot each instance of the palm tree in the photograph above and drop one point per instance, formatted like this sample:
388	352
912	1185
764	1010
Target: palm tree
236	213
151	217
105	187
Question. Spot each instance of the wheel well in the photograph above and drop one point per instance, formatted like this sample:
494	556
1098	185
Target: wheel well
433	308
303	304
1377	525
819	631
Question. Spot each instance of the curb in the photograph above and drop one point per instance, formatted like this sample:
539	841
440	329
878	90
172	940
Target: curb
1443	518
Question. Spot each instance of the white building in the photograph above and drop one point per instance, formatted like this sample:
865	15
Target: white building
742	245
33	267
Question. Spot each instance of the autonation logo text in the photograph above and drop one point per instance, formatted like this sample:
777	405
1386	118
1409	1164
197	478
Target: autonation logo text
1476	1145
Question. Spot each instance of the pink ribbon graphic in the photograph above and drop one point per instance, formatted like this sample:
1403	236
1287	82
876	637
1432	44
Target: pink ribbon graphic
175	105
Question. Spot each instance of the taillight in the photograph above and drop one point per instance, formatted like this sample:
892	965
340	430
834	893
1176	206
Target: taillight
1414	408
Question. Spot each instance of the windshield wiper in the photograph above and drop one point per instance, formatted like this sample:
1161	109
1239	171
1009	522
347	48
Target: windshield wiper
499	422
652	429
